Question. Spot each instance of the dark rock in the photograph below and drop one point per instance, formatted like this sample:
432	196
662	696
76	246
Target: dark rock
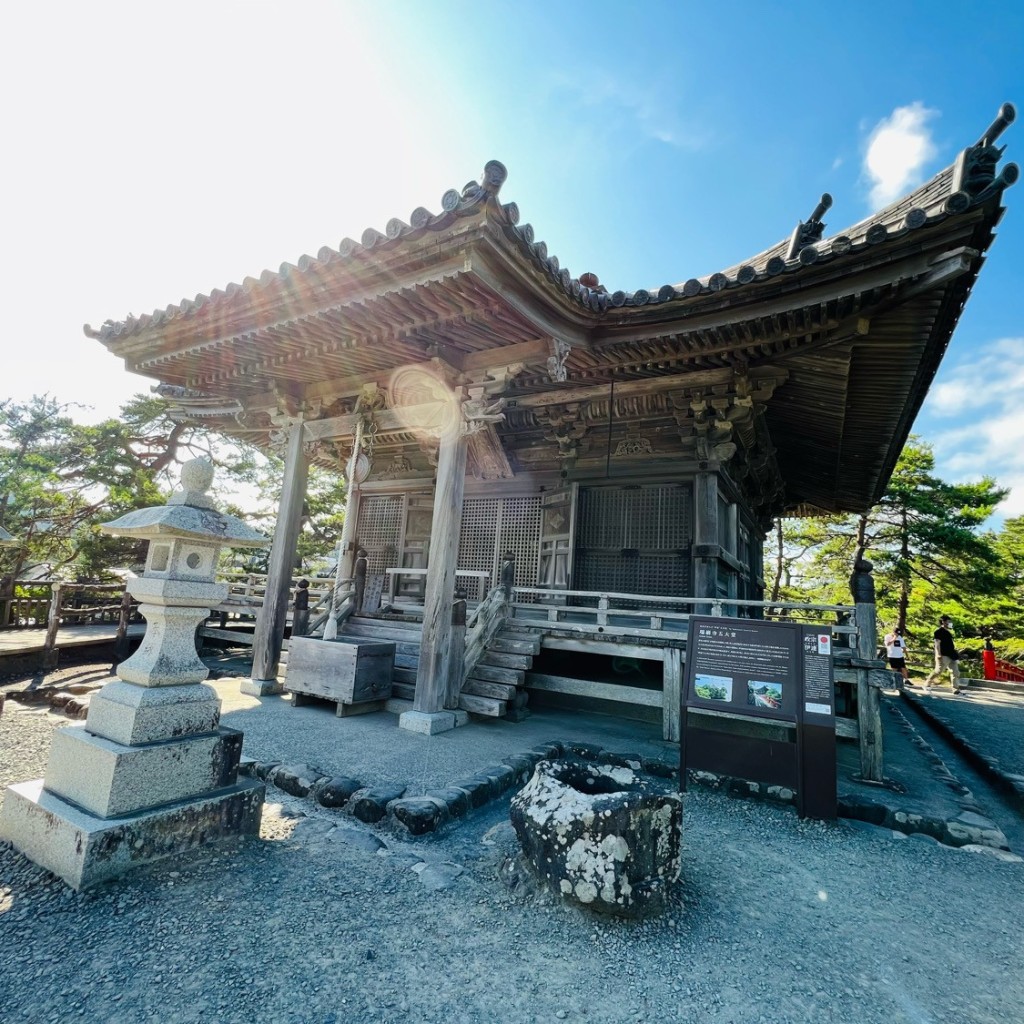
523	765
247	766
662	769
263	769
742	788
453	798
338	791
862	809
632	761
547	751
516	715
418	814
77	707
60	699
589	751
501	775
478	789
295	779
370	805
599	835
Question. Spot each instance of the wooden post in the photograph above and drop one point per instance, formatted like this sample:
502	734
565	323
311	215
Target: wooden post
347	532
359	577
51	653
458	653
869	715
508	575
270	622
672	687
121	639
705	539
6	599
435	651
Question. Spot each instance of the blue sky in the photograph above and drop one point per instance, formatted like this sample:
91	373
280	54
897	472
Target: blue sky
160	150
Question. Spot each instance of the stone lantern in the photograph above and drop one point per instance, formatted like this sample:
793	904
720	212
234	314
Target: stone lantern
151	772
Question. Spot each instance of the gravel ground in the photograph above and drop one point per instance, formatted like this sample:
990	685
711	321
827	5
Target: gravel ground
325	920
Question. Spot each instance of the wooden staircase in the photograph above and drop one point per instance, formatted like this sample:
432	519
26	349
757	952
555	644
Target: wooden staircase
495	686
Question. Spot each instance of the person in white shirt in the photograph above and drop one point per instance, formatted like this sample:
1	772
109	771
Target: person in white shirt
896	651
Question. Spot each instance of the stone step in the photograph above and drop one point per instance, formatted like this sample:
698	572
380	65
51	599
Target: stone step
516	631
518	645
482	705
485	688
412	625
382	632
499	658
403	691
397	706
498	674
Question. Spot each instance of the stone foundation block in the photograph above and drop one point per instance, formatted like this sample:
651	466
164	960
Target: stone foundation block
130	714
84	850
260	687
111	780
427	723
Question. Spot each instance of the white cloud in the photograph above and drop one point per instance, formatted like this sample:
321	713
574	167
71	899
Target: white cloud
985	438
899	147
645	107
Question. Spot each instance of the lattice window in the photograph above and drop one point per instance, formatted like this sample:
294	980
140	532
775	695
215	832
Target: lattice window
634	540
479	534
379	530
492	526
520	534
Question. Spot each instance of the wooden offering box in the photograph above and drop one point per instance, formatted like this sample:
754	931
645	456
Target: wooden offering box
348	671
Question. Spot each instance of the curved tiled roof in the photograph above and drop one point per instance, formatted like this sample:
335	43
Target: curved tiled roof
929	205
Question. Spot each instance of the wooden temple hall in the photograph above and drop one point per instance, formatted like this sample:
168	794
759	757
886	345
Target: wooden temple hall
618	456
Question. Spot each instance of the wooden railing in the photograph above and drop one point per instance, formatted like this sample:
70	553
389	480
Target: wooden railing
31	603
344	605
246	592
616	614
481	624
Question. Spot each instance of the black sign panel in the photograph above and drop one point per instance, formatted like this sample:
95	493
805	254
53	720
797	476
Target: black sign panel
744	666
778	672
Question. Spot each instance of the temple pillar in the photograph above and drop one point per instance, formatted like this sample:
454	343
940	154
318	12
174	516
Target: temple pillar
705	538
429	713
270	623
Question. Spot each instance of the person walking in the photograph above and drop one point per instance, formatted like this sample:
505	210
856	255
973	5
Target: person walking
946	657
896	651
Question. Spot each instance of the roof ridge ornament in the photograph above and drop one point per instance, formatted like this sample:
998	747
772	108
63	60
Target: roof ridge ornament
810	231
975	169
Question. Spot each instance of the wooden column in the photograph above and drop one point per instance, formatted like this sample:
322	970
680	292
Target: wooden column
869	714
343	570
672	689
435	651
271	620
705	538
457	646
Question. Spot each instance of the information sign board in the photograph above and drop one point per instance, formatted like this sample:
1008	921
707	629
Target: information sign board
779	673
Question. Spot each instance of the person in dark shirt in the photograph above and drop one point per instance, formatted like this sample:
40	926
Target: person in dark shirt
945	656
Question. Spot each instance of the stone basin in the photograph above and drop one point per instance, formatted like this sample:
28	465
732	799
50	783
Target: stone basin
600	835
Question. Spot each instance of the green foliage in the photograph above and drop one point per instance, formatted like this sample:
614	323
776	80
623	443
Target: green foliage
59	480
929	554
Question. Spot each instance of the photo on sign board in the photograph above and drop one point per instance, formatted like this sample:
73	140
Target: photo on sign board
764	695
713	687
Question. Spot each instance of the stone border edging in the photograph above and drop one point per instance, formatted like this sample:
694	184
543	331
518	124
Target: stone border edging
1009	783
420	815
427	813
